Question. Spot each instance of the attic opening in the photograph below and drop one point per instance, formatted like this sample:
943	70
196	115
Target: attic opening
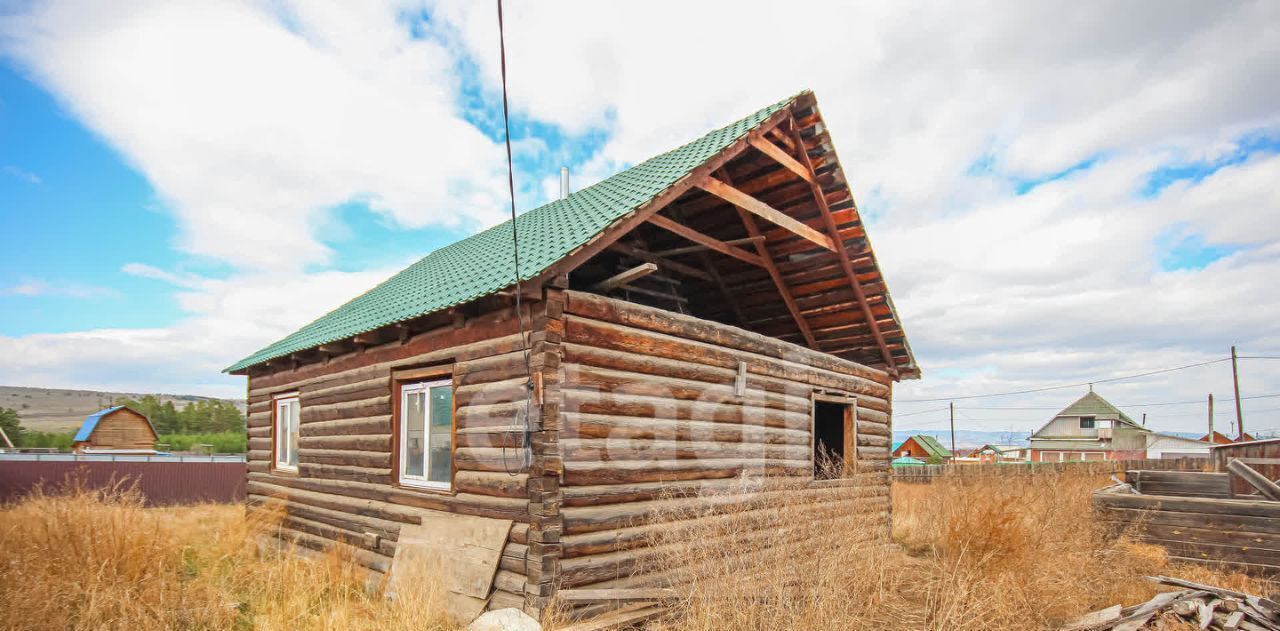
752	246
830	439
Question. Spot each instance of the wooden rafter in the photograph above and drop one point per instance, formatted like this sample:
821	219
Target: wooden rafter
702	248
705	239
834	232
624	277
749	222
764	211
781	157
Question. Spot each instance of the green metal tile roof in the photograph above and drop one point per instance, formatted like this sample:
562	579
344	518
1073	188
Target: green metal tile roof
931	445
482	263
1092	404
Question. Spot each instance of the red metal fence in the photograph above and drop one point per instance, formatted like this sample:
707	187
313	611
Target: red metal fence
162	480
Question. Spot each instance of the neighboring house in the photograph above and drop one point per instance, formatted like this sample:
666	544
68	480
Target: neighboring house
117	430
906	461
1221	439
711	313
1089	429
1167	446
988	454
923	447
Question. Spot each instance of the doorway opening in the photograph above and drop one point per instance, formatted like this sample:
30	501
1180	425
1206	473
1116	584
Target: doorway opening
832	439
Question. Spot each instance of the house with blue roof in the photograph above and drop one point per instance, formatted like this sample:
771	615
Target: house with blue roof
117	429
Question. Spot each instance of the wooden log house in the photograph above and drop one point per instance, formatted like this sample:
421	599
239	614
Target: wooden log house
714	312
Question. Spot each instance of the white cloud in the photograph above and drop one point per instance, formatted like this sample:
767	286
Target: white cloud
32	287
23	174
311	106
249	123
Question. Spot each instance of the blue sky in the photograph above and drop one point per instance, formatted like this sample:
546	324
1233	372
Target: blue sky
1031	231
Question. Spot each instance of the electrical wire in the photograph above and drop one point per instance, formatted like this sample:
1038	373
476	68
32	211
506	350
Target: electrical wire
522	419
1064	386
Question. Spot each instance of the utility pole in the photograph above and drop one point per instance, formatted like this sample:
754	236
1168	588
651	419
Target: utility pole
1235	378
1144	419
953	429
1211	418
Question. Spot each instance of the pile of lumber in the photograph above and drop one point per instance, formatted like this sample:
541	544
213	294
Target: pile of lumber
1203	606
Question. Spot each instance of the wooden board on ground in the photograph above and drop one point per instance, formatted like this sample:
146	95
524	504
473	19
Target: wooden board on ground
461	551
620	618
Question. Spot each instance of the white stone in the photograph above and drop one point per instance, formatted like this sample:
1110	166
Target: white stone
504	620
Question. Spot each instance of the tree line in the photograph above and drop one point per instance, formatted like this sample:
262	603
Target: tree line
204	421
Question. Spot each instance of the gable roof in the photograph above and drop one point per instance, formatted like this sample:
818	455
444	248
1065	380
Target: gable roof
1092	404
91	422
931	445
481	265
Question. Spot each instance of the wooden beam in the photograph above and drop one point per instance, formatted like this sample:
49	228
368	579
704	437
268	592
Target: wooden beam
707	240
624	277
781	157
749	222
764	211
644	255
702	248
615	595
834	233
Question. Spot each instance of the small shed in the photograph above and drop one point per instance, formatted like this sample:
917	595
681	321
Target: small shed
923	447
1165	446
114	430
906	461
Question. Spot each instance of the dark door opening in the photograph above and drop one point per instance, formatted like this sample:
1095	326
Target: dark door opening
829	439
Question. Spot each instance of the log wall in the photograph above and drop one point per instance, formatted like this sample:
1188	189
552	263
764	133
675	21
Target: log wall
343	488
649	412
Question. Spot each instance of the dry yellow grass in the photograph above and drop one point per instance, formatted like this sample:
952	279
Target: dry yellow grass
88	560
982	553
976	554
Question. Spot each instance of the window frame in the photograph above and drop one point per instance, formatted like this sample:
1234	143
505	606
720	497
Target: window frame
278	463
425	385
1093	422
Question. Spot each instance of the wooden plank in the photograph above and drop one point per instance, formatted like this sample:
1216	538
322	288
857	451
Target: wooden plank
1266	487
615	595
619	619
463	551
842	253
764	211
625	276
781	157
707	240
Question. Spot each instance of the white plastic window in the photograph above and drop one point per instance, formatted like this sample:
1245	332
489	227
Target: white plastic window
426	434
288	413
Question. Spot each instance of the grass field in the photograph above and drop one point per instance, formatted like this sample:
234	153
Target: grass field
986	554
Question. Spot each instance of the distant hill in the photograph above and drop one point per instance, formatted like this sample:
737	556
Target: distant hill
57	410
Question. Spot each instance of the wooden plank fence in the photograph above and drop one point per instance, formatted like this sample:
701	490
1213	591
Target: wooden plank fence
923	474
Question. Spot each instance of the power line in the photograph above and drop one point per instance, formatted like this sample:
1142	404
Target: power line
1064	386
1124	405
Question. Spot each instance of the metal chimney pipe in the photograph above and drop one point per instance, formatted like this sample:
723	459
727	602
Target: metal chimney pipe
564	182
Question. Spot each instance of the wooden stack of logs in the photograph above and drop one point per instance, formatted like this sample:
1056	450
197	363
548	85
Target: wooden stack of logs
1204	606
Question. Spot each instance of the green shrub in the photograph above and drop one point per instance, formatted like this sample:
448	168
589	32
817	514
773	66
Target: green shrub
222	442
